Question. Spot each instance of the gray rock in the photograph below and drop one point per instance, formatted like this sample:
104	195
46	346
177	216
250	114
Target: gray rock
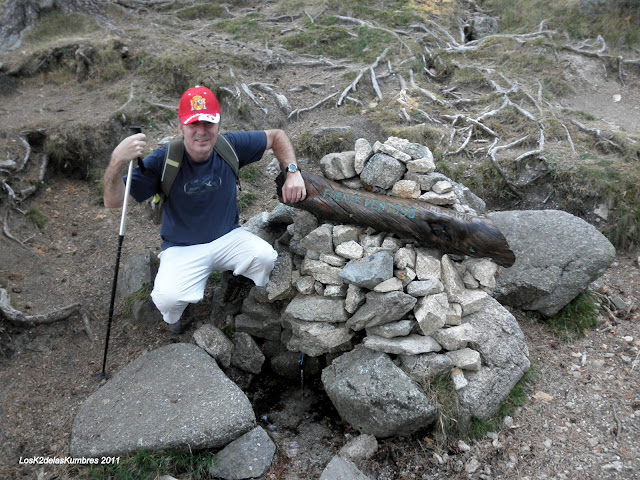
392	329
381	308
356	296
319	240
259	225
360	448
382	171
414	150
305	284
345	233
322	272
175	397
313	308
374	396
249	456
465	359
467	197
315	338
145	311
215	343
392	285
391	151
351	250
246	353
269	328
481	27
427	266
501	344
338	166
333	260
483	270
369	271
342	469
410	345
420	166
281	214
339	291
421	368
280	286
258	309
405	257
569	254
431	312
363	154
423	288
139	271
454	338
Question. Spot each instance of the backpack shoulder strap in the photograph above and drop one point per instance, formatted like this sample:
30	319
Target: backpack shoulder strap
228	154
175	152
172	160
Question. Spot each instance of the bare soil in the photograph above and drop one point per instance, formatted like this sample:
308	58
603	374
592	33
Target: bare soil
582	417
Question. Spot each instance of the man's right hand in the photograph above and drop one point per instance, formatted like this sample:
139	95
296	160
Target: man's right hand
127	150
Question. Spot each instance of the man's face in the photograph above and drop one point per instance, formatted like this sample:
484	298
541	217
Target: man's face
199	138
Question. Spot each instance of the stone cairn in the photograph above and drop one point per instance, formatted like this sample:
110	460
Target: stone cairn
338	287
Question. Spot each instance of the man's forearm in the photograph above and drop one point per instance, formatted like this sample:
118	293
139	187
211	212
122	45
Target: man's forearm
282	148
113	187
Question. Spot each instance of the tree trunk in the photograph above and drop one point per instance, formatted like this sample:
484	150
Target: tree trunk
442	228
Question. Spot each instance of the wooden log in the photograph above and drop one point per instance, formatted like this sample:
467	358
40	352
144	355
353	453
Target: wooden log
442	228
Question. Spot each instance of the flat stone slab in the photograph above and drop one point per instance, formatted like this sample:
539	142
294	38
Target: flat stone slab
175	397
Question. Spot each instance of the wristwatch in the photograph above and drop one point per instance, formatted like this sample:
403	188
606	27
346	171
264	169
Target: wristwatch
292	168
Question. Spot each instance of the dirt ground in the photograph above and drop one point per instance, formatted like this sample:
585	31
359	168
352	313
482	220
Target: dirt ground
582	417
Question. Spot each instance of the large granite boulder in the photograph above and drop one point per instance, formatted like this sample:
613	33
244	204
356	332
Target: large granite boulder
557	256
375	396
175	397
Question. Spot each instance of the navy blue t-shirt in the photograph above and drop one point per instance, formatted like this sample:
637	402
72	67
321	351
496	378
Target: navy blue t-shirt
201	206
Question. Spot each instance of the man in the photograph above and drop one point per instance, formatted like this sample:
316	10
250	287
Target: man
200	229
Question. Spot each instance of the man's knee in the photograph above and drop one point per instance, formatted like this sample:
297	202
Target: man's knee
164	300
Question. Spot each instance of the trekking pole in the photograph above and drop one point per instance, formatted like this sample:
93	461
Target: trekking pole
103	375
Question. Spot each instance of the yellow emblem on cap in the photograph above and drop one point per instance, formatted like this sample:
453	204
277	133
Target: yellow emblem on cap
198	103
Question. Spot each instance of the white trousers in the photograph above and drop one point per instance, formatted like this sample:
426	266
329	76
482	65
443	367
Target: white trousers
183	272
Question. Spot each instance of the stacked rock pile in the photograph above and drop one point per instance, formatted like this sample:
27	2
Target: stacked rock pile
335	287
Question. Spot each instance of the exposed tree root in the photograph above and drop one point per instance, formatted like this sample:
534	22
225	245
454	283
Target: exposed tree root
17	318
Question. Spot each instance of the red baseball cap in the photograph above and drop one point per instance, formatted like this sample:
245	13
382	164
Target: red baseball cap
198	104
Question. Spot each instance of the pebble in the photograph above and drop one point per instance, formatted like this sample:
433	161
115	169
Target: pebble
508	421
617	466
472	465
463	446
548	443
628	338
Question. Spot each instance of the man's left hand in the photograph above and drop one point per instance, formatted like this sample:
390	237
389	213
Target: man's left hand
293	189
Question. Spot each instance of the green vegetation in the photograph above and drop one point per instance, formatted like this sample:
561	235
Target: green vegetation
140	296
57	25
249	174
316	146
336	42
145	465
575	318
517	398
207	11
618	22
245	200
36	216
442	394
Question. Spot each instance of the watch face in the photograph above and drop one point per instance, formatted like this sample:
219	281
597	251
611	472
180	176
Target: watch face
292	168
